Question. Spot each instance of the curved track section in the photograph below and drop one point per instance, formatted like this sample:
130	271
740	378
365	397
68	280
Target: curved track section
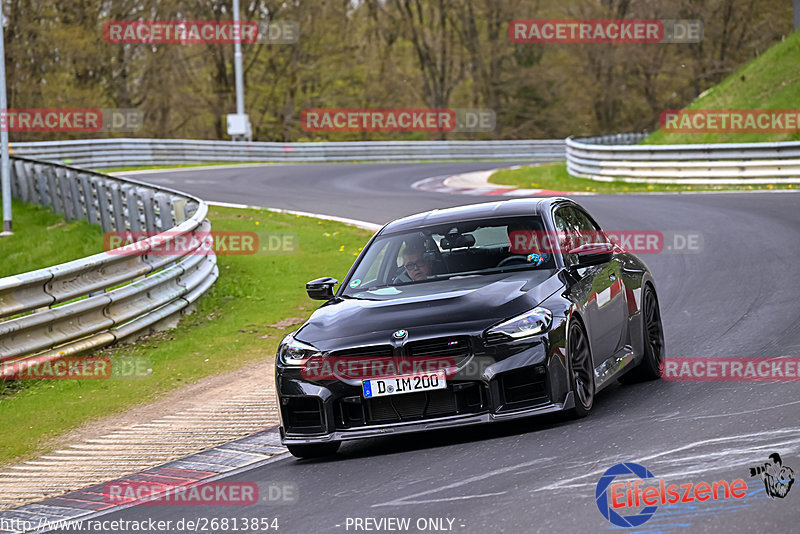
736	297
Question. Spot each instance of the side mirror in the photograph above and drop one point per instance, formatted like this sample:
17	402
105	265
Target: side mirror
321	288
593	254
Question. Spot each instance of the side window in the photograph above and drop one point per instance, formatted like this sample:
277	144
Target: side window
566	226
591	228
574	228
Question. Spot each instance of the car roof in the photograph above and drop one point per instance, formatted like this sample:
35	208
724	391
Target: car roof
487	210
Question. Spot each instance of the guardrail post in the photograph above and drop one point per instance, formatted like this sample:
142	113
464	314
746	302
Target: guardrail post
19	178
165	218
13	180
149	210
103	204
131	201
33	183
190	209
179	207
25	180
72	211
117	210
89	202
45	195
56	194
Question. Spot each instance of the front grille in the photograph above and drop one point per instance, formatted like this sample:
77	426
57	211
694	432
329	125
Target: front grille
355	411
416	356
453	347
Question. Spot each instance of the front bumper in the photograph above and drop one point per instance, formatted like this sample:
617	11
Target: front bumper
522	380
429	424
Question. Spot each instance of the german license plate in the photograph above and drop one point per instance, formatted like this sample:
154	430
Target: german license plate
397	385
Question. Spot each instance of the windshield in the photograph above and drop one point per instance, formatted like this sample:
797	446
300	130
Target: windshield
447	252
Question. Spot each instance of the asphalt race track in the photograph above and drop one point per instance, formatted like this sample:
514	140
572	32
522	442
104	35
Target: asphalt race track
738	296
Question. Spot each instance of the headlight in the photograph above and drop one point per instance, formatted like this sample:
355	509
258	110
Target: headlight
530	323
294	353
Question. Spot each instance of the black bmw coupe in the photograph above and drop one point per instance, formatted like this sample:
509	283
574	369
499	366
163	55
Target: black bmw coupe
468	315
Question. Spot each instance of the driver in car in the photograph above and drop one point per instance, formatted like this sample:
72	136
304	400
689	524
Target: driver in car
417	264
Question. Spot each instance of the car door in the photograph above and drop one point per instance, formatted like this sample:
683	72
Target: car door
600	288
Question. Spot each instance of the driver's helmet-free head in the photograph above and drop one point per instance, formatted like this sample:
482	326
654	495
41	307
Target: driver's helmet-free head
416	258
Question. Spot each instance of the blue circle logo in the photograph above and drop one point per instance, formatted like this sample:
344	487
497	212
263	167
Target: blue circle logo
601	496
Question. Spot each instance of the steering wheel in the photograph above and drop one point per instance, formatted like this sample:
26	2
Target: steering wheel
517	258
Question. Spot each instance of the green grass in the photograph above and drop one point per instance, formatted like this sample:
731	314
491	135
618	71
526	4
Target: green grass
230	329
554	176
770	81
42	239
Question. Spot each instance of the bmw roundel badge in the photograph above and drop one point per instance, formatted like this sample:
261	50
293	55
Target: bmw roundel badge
400	334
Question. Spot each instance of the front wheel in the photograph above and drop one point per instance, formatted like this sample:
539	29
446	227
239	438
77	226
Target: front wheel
314	450
581	370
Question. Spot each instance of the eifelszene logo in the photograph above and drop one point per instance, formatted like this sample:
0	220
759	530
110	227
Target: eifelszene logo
644	500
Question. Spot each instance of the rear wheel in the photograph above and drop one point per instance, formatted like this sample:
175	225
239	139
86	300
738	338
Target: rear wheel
650	367
314	450
581	370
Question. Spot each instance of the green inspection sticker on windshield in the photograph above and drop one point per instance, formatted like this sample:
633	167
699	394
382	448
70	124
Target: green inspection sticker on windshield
355	283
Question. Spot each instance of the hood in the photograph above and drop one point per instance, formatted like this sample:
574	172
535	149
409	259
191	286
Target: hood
447	307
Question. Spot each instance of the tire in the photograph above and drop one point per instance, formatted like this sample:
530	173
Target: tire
314	450
653	338
581	369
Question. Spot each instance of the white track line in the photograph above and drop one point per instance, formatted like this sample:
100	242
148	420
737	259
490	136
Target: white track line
353	222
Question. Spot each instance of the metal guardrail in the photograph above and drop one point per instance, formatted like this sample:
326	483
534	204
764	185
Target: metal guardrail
98	300
617	158
613	157
106	153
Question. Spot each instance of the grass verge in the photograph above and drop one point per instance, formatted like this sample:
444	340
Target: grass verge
255	302
554	176
42	239
770	81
